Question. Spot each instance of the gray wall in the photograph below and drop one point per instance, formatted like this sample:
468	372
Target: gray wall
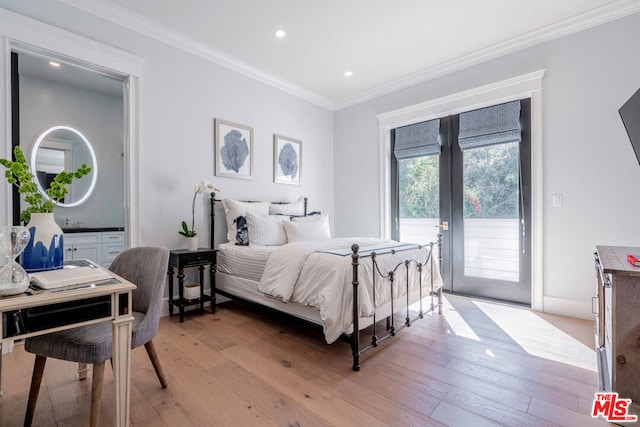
587	156
99	118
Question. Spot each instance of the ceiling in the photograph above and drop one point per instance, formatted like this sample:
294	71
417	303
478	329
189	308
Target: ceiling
386	44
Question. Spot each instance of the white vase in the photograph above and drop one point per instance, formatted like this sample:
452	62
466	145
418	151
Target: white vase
192	243
46	246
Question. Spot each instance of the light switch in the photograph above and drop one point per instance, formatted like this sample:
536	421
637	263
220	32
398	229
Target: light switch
557	200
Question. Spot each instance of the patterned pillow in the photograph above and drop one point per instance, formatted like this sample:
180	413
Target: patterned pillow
233	209
266	230
242	231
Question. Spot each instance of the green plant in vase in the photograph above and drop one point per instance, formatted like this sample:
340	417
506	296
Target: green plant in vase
190	233
46	245
18	174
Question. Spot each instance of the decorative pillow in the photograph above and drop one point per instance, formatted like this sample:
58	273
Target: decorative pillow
266	230
312	217
293	208
304	216
242	232
233	209
303	228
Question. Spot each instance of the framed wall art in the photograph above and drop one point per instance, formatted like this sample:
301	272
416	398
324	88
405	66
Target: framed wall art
233	149
287	160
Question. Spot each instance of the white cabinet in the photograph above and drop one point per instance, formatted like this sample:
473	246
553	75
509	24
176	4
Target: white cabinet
101	247
83	245
112	245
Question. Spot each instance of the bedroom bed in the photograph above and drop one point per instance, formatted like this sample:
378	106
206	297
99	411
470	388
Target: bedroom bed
280	256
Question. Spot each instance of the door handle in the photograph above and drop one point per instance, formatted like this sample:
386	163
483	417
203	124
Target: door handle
444	226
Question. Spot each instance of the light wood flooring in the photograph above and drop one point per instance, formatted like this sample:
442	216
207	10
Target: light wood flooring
480	364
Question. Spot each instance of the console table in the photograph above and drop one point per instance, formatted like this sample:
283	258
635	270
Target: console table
181	259
40	312
618	323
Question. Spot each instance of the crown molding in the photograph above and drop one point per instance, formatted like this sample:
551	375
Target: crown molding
35	36
135	22
560	29
149	28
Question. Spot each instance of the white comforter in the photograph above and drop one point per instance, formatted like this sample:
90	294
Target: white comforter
319	274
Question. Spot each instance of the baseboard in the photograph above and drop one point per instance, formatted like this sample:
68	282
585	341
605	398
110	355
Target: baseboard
568	307
7	347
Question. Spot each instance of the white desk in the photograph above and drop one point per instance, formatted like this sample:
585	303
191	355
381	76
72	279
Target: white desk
25	315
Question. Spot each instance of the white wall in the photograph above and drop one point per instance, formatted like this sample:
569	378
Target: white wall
180	95
587	156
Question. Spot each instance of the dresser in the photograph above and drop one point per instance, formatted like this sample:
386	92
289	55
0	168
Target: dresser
618	323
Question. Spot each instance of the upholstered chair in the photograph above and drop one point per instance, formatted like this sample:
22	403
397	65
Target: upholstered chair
146	267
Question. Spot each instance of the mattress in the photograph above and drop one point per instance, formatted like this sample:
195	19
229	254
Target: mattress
248	290
247	262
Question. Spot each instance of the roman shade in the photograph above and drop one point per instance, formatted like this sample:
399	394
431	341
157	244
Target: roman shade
417	140
493	125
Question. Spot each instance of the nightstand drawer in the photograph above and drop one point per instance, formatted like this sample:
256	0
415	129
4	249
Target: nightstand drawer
194	258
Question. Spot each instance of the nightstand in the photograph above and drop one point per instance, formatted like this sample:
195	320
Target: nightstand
181	259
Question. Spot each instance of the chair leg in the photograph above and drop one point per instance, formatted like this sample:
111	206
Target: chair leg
96	393
151	351
36	380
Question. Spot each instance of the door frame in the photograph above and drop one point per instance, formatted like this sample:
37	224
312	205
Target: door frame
22	34
523	86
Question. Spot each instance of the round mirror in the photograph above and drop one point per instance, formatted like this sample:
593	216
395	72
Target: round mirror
64	148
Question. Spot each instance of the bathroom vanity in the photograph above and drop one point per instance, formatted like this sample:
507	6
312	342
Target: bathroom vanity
101	245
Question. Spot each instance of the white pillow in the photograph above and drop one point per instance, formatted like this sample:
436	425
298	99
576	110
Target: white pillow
312	217
293	208
265	230
233	209
300	229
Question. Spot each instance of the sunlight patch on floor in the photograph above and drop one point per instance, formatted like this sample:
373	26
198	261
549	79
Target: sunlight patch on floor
557	345
457	325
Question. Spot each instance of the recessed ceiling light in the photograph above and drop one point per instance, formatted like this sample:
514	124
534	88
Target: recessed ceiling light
348	73
280	33
54	64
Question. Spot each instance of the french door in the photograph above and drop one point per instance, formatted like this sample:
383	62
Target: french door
469	180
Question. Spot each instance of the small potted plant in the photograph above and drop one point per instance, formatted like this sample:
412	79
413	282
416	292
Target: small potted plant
190	233
45	248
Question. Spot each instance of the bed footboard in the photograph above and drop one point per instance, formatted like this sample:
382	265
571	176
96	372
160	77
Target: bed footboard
391	329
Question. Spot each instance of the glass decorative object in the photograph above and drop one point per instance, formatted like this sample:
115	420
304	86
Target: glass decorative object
13	278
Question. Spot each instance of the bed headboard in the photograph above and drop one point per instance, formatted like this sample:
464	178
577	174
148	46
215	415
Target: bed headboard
218	219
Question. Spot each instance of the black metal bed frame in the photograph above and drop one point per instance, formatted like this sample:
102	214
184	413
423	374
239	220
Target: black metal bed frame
391	329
